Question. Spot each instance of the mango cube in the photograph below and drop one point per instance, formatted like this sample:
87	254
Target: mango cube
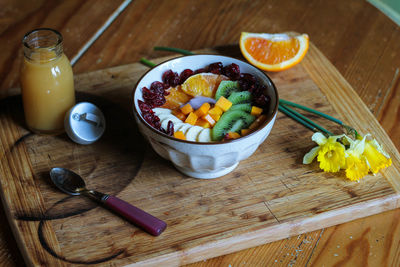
215	116
223	103
180	135
203	123
233	135
191	118
177	113
257	122
186	109
256	111
201	111
215	111
244	132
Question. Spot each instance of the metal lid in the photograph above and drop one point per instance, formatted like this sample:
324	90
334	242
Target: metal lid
84	123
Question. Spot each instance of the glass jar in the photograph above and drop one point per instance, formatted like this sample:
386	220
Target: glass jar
47	82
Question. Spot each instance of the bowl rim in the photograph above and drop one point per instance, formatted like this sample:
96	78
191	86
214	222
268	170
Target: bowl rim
137	114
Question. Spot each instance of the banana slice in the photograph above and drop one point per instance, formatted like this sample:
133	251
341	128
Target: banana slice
183	128
159	111
204	135
164	116
165	119
193	132
177	126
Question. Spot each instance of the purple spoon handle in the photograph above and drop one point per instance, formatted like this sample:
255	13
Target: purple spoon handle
135	215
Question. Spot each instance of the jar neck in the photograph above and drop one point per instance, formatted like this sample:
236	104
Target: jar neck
42	45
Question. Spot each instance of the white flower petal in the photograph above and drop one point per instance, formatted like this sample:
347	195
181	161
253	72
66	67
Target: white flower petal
358	146
319	138
308	158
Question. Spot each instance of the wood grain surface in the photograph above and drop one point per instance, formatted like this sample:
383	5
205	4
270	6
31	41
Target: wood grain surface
260	202
359	40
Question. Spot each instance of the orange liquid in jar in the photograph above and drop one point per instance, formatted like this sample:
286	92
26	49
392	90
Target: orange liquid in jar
47	90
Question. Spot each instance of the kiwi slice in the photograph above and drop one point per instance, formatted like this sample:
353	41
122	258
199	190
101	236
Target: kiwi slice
244	107
225	89
231	121
240	97
237	126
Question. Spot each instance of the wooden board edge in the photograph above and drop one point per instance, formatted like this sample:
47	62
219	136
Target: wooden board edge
230	245
334	86
273	233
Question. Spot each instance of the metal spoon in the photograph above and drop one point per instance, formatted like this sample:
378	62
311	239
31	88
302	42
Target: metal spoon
71	183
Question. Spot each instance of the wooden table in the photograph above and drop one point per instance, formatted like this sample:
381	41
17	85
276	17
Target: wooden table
358	39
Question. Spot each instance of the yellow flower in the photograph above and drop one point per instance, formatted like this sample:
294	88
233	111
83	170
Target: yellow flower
330	153
376	157
356	166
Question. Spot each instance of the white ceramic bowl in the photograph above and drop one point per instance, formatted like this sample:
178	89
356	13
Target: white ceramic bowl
203	160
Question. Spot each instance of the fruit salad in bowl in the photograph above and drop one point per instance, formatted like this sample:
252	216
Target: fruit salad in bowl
205	113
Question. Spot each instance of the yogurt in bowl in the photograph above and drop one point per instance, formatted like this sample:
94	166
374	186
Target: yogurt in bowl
169	114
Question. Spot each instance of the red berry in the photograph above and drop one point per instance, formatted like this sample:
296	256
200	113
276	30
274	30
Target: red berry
185	74
157	87
232	71
200	70
215	68
171	78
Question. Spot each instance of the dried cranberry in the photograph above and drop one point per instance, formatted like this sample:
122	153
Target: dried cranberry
262	100
166	76
170	128
247	82
185	74
148	117
200	70
145	108
157	124
153	99
157	87
148	95
232	71
156	119
247	78
159	101
215	68
171	78
175	81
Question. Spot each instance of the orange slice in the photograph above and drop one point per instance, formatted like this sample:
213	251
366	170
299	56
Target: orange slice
175	98
202	84
274	52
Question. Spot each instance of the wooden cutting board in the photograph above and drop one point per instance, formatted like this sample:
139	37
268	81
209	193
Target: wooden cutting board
268	197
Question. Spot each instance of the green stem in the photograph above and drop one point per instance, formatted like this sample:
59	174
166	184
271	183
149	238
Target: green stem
147	62
349	129
285	102
284	110
173	49
307	120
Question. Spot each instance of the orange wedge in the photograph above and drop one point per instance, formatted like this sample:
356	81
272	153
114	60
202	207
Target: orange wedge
274	52
202	84
175	98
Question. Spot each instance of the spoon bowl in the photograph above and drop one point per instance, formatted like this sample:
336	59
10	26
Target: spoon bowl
67	181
